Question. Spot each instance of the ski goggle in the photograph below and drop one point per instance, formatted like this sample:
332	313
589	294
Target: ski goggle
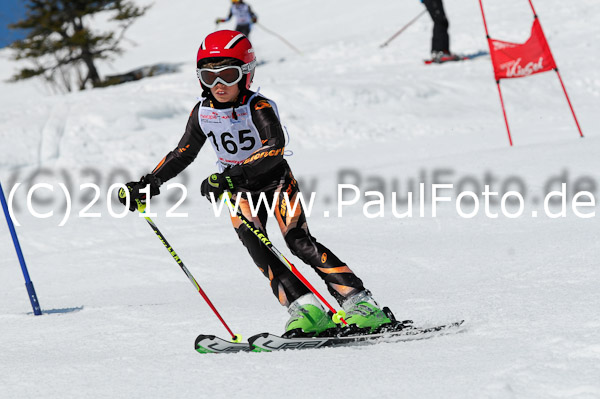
228	75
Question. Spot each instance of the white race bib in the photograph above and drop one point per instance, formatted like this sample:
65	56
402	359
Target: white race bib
233	140
241	13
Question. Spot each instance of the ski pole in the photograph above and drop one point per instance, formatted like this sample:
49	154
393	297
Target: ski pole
161	237
279	37
412	21
338	315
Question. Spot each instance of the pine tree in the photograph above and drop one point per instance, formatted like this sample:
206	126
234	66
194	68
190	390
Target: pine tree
61	43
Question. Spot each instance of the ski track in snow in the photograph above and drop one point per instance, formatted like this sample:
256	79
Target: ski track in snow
121	318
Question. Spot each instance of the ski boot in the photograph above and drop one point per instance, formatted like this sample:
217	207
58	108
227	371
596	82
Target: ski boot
308	318
364	316
442	56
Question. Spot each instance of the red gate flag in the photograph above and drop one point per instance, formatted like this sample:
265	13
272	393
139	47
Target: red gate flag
513	60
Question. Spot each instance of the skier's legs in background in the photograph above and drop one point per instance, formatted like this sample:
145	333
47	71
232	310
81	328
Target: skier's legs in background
245	29
440	40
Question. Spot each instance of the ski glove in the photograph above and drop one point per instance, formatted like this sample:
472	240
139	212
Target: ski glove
220	20
216	183
137	198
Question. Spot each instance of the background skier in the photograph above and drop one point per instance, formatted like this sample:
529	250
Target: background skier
243	14
245	131
440	41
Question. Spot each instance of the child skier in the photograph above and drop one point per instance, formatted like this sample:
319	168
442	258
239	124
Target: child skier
244	16
243	128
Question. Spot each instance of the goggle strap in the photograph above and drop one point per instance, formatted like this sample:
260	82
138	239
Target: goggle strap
247	68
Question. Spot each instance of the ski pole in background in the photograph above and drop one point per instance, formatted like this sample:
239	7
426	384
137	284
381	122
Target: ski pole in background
412	21
279	37
161	237
35	304
338	315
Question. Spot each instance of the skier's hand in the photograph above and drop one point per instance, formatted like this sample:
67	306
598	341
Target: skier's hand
219	20
254	20
216	183
137	198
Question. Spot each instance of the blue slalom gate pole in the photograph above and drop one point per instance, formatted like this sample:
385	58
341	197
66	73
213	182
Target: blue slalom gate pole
28	283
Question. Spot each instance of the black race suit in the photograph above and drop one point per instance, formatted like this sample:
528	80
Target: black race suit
440	40
267	171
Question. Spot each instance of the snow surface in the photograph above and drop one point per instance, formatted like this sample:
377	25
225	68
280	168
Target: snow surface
120	318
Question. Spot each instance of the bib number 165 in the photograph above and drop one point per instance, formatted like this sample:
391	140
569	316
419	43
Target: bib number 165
244	141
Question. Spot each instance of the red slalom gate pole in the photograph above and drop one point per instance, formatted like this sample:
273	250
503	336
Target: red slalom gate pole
560	80
555	67
569	102
487	35
504	113
532	9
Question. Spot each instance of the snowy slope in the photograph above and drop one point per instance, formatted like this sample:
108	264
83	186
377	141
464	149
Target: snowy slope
121	318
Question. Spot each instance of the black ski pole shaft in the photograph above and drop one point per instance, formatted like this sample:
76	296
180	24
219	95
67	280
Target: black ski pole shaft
338	315
280	38
412	21
161	237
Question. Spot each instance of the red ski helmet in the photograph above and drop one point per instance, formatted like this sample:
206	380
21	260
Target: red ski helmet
228	44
